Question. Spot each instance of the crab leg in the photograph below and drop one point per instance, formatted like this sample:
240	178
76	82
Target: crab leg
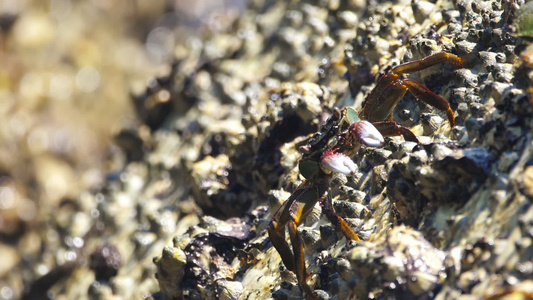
299	259
390	89
427	62
290	213
277	237
384	97
391	128
336	220
276	228
423	94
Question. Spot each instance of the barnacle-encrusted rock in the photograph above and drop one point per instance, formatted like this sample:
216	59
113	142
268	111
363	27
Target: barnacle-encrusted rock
210	185
171	269
201	262
400	264
414	181
229	290
445	217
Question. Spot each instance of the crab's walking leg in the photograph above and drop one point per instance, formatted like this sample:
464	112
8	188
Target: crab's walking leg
290	213
391	128
299	259
277	237
336	220
376	110
390	89
422	93
426	62
276	228
383	98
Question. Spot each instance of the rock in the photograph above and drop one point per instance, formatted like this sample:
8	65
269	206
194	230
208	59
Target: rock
219	139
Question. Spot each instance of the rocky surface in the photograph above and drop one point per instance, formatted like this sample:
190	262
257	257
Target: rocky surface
185	215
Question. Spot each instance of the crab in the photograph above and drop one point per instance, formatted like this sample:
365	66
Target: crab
329	151
390	89
325	154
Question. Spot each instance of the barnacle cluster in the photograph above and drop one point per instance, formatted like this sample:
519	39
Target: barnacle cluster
221	140
450	189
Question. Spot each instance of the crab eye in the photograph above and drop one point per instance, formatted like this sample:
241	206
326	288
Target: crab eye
367	134
337	162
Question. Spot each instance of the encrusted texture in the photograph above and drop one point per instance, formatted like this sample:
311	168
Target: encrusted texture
446	218
462	192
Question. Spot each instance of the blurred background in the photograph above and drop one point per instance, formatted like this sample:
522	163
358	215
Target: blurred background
68	70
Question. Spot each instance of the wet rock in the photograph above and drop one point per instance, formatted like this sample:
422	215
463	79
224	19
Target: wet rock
229	290
402	264
170	272
453	178
155	104
105	261
221	134
132	144
437	184
12	259
98	290
468	168
211	185
206	263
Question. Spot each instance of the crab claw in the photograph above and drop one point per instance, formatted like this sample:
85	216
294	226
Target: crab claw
367	134
331	161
